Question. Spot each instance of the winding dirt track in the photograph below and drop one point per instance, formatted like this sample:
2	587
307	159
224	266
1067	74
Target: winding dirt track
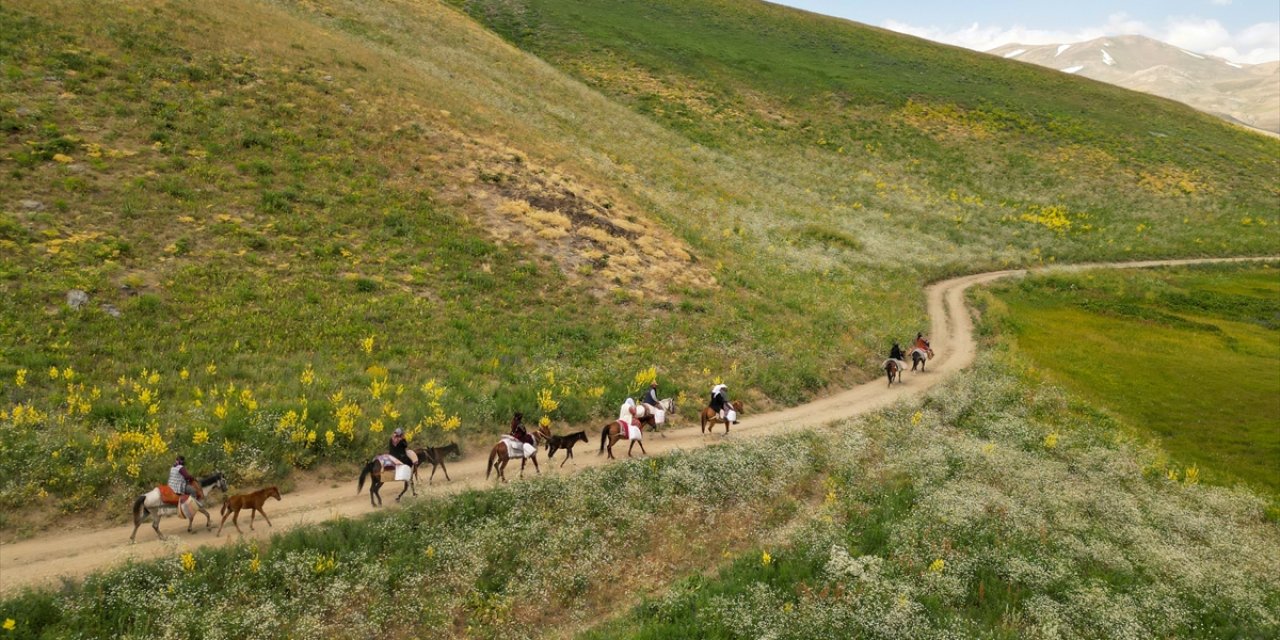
44	559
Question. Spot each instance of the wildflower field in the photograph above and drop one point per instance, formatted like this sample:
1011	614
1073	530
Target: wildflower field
997	506
302	224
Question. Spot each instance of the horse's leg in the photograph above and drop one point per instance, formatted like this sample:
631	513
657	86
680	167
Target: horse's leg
535	463
407	485
253	511
641	443
443	468
568	453
155	523
264	517
208	522
225	514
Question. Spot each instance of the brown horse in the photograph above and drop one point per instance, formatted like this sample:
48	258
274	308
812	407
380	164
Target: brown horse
555	443
499	456
893	370
613	433
710	418
436	456
251	501
373	470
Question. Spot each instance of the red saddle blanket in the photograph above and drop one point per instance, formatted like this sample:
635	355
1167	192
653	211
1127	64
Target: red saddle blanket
168	497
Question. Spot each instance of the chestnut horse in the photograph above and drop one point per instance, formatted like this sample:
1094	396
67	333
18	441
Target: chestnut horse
710	418
436	455
251	501
151	503
499	456
613	433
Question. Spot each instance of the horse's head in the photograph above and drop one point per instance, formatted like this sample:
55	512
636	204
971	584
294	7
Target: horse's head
273	492
581	435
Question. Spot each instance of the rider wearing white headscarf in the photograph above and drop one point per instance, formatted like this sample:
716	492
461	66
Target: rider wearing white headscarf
719	399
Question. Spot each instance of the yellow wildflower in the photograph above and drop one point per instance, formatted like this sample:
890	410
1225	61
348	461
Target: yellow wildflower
937	566
308	376
917	418
53	373
201	436
366	345
1051	440
1192	476
544	421
376	426
188	561
328	438
228	447
211	369
255	564
184	374
766	559
21	378
9	624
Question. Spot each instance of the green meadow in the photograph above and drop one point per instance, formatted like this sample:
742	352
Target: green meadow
1187	357
303	224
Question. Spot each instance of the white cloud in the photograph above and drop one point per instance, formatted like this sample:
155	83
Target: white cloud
1251	45
1220	3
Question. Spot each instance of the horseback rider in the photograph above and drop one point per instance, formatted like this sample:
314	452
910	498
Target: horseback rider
719	399
651	396
399	449
181	480
519	432
896	352
922	344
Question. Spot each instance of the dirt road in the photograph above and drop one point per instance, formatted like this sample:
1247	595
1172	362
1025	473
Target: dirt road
45	558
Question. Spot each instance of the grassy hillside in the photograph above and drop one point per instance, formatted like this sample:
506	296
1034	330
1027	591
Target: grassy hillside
318	221
997	507
1118	339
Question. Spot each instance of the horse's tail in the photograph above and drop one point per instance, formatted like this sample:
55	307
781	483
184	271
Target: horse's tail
137	508
368	469
493	455
604	435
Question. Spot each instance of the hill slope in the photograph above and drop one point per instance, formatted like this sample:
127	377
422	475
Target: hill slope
1249	94
313	216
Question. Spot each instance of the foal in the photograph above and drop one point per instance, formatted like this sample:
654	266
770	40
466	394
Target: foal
251	501
435	455
555	443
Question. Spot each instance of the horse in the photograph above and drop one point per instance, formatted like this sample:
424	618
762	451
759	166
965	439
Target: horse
435	455
918	358
152	503
668	406
374	470
710	417
499	456
613	433
555	443
893	369
251	501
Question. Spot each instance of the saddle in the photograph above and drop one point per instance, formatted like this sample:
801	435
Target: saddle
172	499
518	449
387	461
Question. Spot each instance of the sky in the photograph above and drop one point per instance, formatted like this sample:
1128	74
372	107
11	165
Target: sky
1246	31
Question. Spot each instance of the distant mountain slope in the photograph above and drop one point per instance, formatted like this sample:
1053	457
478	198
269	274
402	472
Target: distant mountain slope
1249	94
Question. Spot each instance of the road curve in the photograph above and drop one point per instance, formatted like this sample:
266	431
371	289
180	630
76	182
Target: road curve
43	560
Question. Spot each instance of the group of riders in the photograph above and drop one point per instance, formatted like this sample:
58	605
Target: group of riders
182	482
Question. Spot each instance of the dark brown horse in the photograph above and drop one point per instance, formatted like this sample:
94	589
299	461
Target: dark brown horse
436	456
381	463
556	443
893	370
613	433
499	456
251	501
710	418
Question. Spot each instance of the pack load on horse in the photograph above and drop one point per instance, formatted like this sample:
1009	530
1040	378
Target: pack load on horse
921	352
894	365
184	495
628	426
521	444
384	463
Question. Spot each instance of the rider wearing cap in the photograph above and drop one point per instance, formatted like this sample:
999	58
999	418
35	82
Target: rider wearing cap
651	396
399	448
181	480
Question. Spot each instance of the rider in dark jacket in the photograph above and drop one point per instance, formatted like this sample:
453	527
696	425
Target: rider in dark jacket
399	448
518	431
896	352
